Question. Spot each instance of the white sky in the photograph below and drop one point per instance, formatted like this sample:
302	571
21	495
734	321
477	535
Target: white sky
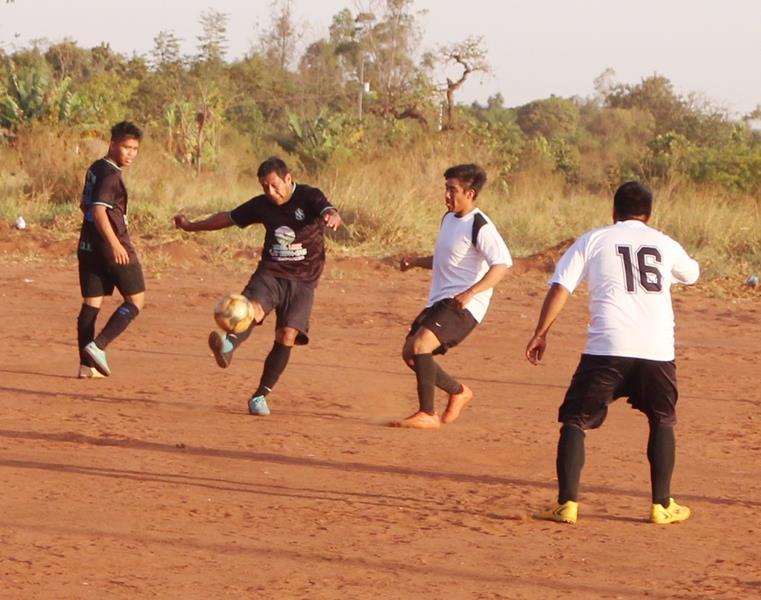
537	47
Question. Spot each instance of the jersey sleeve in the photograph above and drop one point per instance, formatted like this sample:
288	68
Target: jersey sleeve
571	268
106	190
318	203
685	269
247	213
493	248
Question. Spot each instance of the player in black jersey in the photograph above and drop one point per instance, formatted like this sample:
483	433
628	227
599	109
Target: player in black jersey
294	217
106	256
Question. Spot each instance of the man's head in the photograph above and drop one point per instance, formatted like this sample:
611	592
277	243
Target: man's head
276	181
125	141
463	184
632	200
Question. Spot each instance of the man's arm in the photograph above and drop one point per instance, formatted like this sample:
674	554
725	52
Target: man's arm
554	302
106	230
220	220
490	279
409	262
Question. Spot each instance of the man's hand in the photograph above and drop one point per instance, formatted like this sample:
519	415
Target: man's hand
332	219
121	256
407	263
463	298
181	222
535	349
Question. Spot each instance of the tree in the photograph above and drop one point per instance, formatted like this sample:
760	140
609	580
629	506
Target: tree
279	42
212	43
470	57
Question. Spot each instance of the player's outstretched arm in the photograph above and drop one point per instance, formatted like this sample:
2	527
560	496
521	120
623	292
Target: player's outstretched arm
216	221
422	262
554	302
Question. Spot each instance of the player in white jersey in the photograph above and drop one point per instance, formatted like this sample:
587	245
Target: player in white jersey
629	268
469	260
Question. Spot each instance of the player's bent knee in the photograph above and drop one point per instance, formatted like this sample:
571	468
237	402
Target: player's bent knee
287	336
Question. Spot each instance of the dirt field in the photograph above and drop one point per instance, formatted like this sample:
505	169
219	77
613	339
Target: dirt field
156	483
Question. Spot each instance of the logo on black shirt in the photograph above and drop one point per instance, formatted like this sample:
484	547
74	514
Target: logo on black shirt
299	214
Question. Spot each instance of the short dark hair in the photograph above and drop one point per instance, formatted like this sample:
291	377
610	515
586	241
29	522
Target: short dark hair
471	175
272	164
633	199
126	129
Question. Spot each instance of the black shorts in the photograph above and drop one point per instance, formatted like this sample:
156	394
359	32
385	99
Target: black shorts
98	277
650	386
449	323
291	299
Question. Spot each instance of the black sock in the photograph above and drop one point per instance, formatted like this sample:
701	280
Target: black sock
236	339
274	365
444	381
86	331
122	317
661	452
425	370
569	462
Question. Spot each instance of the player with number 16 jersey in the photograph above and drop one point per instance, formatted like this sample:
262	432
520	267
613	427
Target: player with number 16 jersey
629	268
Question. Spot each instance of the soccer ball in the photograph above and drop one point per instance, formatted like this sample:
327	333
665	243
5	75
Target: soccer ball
234	313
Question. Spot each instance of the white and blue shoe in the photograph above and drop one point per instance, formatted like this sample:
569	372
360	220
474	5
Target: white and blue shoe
222	348
98	356
258	406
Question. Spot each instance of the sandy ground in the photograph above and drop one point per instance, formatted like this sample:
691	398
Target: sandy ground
156	483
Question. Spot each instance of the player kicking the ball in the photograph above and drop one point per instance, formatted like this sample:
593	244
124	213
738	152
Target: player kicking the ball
294	217
106	257
470	258
630	268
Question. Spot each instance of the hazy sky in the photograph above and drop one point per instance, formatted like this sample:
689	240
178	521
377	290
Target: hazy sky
537	47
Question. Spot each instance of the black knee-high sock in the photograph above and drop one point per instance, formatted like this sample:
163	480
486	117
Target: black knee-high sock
274	365
661	452
86	331
444	381
569	462
122	317
425	371
236	339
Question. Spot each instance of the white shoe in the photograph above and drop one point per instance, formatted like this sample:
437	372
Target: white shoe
86	372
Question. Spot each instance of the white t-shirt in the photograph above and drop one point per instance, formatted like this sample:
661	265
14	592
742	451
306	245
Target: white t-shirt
458	264
629	268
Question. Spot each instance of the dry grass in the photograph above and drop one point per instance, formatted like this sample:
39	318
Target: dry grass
391	204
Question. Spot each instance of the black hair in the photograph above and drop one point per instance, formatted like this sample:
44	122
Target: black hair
633	199
472	176
272	164
126	129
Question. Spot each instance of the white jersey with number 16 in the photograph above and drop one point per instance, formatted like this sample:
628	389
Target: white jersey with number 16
629	268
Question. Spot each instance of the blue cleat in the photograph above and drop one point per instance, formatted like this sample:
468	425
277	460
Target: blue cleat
258	406
98	357
222	348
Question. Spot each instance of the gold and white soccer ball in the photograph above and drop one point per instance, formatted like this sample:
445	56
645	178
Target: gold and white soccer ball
234	313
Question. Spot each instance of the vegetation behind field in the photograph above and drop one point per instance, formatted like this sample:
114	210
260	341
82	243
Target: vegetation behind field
360	114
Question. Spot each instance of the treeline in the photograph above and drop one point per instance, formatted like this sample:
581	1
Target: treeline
364	91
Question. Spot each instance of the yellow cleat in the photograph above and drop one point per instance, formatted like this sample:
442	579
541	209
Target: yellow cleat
673	513
568	512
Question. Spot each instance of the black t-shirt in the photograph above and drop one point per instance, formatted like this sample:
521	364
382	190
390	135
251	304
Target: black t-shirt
294	244
104	186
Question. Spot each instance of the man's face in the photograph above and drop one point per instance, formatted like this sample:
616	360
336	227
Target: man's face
124	151
276	188
458	199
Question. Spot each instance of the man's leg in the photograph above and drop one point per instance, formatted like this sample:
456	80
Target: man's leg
274	366
88	314
124	314
418	353
661	453
569	462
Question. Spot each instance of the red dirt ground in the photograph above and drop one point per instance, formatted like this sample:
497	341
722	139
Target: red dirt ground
155	483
